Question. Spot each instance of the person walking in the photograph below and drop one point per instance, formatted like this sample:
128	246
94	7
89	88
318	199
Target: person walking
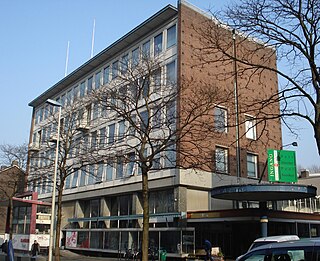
35	250
4	246
207	248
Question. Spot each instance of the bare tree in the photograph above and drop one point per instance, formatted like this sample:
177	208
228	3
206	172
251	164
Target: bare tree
289	28
157	118
74	153
314	168
10	153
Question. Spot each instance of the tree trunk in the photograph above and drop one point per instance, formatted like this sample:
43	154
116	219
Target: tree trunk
145	229
58	227
316	128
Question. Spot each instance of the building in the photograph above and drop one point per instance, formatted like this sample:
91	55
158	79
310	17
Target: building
12	181
102	201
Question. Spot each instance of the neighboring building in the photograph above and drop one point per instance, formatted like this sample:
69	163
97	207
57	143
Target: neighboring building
12	182
102	211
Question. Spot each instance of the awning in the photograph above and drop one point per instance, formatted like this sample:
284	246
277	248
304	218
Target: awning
130	217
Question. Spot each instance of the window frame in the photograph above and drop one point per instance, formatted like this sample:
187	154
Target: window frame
225	162
251	127
217	121
255	163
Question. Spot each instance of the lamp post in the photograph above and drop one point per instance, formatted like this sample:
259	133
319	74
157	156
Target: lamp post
294	144
53	200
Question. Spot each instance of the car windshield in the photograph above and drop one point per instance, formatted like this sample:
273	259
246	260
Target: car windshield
257	244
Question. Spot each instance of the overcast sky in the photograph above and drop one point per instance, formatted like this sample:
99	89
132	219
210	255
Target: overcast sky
33	46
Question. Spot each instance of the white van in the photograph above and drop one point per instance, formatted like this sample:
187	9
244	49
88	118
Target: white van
273	239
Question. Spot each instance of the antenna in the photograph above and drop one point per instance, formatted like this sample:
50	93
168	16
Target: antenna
92	42
67	60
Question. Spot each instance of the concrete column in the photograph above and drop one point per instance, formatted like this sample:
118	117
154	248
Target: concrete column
137	206
180	199
105	210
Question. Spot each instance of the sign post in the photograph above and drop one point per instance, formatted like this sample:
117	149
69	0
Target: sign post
282	166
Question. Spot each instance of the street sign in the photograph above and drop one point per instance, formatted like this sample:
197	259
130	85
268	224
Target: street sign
282	166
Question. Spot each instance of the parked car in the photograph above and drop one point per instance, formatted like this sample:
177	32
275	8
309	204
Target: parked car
296	250
273	239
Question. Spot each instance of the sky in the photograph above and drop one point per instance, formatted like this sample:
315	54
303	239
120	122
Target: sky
33	47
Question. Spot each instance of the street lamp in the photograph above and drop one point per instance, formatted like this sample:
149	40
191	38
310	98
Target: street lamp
294	144
53	200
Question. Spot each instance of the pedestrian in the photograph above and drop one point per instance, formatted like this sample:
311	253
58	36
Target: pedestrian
35	250
207	248
4	246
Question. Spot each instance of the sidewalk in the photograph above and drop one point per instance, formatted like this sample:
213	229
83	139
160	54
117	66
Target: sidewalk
65	255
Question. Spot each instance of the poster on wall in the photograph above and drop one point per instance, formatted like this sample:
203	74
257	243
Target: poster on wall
21	242
71	238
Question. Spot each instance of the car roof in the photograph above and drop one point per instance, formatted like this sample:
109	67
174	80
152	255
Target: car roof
277	238
294	243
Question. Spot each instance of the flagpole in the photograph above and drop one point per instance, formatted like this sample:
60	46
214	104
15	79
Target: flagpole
67	60
92	41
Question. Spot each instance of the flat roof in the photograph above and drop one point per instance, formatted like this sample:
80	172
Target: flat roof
135	34
264	192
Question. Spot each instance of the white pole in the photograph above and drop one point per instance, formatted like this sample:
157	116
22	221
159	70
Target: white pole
53	200
92	41
67	60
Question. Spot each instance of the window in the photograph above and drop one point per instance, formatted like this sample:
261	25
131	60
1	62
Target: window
171	36
121	130
97	80
94	140
109	170
156	160
145	87
132	129
170	156
157	44
76	90
82	89
111	133
157	81
171	73
157	123
221	160
170	114
135	57
102	137
119	173
95	113
115	69
106	72
144	120
89	87
250	128
252	165
124	63
69	97
75	179
100	172
220	119
130	164
91	176
68	181
82	178
146	49
62	101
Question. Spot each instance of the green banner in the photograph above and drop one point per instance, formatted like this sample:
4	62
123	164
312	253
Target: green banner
282	166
